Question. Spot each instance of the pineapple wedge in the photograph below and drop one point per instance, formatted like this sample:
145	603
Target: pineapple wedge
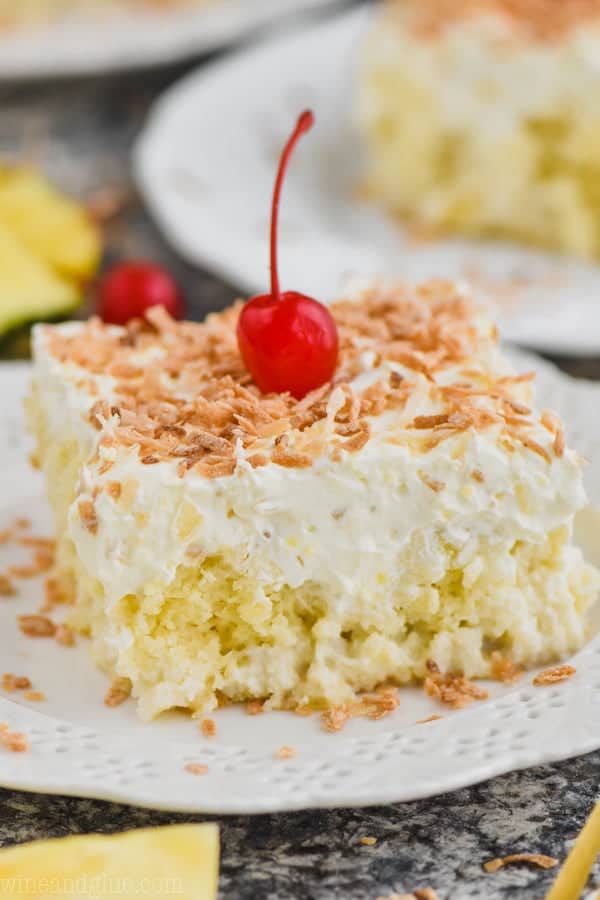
29	288
48	224
179	862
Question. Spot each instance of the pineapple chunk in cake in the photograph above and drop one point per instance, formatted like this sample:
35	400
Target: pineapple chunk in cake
221	540
479	117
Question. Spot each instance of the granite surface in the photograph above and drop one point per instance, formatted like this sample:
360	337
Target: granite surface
80	133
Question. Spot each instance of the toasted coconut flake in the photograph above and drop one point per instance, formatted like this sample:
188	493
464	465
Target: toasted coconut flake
38	543
533	859
7	588
427	422
286	753
335	718
532	445
559	443
505	669
478	475
196	769
429	719
455	691
432	483
358	440
291	460
553	424
368	841
13	683
113	489
118	692
36	626
34	696
14	741
425	894
255	707
554	675
208	728
54	593
87	514
65	636
257	460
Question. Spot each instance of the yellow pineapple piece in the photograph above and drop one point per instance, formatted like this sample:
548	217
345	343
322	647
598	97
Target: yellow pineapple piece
179	862
52	226
29	288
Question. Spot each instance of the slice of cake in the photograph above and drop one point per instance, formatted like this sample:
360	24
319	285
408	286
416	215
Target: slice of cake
480	117
220	541
34	12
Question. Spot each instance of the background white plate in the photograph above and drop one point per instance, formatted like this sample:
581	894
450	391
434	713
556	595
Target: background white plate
81	45
81	747
208	175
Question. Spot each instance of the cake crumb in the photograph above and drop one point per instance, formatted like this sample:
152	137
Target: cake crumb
64	635
14	741
208	728
36	626
534	859
368	841
118	692
196	769
286	753
554	675
34	696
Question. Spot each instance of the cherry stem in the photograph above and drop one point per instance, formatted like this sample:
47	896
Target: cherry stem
305	123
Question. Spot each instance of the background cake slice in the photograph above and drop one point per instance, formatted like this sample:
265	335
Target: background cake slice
218	541
479	117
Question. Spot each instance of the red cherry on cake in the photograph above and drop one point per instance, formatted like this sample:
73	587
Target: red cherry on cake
129	289
289	342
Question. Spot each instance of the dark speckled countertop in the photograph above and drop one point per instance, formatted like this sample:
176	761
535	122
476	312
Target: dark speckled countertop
80	132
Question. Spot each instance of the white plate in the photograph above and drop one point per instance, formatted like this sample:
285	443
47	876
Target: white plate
79	45
208	179
80	747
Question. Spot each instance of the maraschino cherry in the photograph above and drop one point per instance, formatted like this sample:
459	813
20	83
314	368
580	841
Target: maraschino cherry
289	342
131	288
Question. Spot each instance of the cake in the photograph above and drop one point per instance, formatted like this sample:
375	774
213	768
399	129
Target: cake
29	12
480	117
219	542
